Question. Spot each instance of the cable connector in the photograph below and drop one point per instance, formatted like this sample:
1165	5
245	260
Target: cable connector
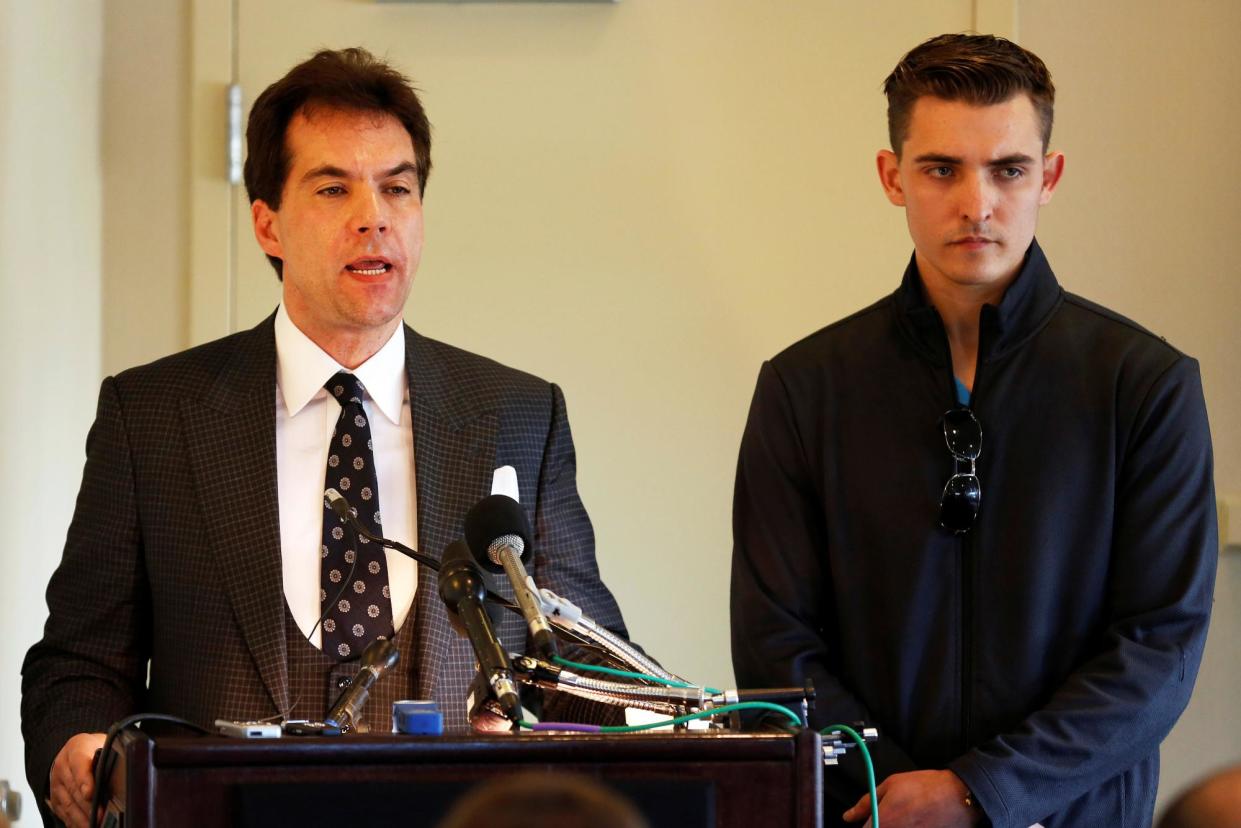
836	743
560	611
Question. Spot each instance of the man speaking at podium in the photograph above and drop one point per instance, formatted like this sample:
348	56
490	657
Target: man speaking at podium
979	513
200	545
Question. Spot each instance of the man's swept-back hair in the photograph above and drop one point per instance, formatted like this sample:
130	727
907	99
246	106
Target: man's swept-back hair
978	69
350	79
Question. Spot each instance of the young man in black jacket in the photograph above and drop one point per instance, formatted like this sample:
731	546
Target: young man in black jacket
979	513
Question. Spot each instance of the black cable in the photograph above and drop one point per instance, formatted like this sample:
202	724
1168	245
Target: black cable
344	584
327	608
340	504
107	758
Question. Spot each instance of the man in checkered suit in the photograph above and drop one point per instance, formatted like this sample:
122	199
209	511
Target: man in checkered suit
195	500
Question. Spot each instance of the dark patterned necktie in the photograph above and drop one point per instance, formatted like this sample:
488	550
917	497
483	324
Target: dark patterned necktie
363	612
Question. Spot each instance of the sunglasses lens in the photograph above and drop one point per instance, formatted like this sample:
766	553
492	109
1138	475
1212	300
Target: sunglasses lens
960	502
963	433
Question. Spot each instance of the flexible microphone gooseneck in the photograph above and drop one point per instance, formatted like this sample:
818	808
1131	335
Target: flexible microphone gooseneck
499	536
337	503
462	589
348	515
670	700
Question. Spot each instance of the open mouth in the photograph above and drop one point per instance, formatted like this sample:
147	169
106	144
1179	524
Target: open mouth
369	267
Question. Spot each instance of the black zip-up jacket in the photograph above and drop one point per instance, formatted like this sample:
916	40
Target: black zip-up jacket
1044	654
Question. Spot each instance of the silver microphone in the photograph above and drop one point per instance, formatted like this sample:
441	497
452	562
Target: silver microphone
506	551
498	533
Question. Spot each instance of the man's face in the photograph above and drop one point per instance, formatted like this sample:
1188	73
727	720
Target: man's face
349	227
971	180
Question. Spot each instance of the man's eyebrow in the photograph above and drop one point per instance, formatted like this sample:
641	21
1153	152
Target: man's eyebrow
1014	160
936	158
331	171
399	169
325	171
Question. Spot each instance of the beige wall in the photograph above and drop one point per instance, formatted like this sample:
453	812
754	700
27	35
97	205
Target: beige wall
50	231
656	195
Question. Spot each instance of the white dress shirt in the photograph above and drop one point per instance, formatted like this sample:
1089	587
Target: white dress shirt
306	415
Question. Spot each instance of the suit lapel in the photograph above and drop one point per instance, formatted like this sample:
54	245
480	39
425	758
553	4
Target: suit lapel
454	451
231	440
454	458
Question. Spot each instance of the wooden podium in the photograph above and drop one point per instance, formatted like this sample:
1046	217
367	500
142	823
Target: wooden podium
688	780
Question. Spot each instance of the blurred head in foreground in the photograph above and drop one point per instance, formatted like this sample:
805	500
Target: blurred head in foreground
543	800
1215	802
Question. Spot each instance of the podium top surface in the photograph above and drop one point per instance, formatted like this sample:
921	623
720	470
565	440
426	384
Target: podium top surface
174	751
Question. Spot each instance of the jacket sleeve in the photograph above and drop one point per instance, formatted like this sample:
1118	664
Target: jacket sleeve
89	669
1120	704
782	617
566	562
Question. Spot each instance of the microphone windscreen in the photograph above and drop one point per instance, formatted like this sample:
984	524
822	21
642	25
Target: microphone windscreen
458	577
456	558
494	517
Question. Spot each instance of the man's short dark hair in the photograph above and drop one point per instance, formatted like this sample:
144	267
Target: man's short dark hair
350	79
978	69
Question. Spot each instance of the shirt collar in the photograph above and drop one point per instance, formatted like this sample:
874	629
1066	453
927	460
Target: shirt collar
302	367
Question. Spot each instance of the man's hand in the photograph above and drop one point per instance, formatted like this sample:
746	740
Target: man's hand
918	799
72	780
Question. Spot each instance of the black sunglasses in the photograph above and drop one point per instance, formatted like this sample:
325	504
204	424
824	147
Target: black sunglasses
958	506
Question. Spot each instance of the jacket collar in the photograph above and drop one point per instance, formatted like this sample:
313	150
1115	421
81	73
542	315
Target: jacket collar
1026	307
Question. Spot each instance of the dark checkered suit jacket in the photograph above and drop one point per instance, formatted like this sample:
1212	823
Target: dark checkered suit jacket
173	553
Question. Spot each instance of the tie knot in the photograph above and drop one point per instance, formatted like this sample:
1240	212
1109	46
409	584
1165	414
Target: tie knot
345	388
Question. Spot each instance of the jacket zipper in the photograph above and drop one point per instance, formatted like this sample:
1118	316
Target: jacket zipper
967	579
967	638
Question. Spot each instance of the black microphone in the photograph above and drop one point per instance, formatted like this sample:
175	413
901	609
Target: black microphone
499	537
462	589
378	656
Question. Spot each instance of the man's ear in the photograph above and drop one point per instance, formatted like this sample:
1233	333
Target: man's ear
889	167
265	230
1053	168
